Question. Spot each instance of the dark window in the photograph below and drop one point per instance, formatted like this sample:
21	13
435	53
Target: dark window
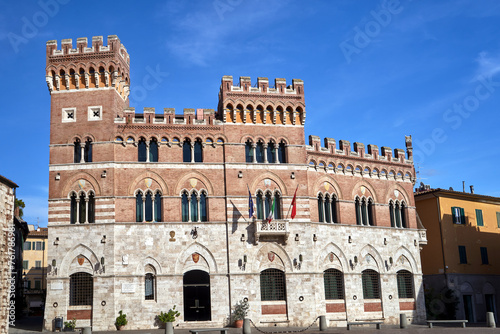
194	208
320	208
282	152
357	206
328	217
27	245
81	287
88	150
38	285
142	150
73	209
149	207
248	151
463	254
185	207
403	216
272	285
405	284
398	216
203	207
334	284
77	156
259	152
149	292
186	151
38	245
371	285
91	208
498	219
271	153
458	215
153	150
26	264
138	207
334	209
158	207
370	212
260	208
198	151
391	212
479	217
277	206
268	204
484	255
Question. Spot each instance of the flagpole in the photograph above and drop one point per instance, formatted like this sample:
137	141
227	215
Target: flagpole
291	203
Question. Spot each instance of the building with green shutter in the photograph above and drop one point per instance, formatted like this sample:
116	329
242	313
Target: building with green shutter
459	263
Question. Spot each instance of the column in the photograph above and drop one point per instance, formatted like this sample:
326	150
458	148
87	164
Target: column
276	160
198	206
82	155
77	218
144	208
147	150
192	151
86	209
265	153
77	80
189	208
254	156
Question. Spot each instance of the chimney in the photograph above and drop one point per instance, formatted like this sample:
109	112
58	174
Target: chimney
471	189
463	186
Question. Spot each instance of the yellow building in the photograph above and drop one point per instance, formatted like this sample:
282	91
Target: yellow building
463	233
35	267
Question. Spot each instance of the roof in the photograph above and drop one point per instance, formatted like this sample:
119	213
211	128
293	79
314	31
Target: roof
41	232
454	193
8	182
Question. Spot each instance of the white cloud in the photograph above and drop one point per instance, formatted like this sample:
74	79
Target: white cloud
488	65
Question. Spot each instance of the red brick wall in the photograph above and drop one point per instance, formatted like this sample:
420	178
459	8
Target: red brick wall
79	314
273	309
407	306
332	308
373	307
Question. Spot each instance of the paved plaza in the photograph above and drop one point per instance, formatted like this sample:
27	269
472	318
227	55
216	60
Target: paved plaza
34	325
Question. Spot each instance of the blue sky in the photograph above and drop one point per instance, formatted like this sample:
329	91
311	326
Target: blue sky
374	71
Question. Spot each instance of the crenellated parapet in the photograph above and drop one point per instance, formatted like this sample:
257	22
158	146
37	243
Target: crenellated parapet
360	160
149	116
261	104
87	67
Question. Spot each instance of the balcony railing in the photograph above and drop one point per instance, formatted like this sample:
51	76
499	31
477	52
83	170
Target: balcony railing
275	228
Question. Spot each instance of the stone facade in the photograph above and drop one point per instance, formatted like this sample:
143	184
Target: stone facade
196	218
7	200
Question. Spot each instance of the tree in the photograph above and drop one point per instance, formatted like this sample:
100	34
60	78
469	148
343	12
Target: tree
20	204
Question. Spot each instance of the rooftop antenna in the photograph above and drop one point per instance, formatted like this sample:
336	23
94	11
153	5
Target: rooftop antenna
419	179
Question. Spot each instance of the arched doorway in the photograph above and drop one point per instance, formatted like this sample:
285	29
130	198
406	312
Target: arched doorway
81	295
197	296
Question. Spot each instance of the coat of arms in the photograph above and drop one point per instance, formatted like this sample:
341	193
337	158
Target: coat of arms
270	256
196	257
331	257
81	259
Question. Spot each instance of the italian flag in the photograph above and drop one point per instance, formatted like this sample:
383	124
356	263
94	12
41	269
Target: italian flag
271	213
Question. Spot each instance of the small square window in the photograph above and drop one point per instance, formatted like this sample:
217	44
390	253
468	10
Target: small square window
38	264
95	113
69	115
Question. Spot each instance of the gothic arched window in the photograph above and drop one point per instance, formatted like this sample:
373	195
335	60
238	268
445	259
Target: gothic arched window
186	151
282	152
198	151
142	150
153	150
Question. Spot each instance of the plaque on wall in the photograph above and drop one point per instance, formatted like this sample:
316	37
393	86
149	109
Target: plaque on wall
128	287
56	286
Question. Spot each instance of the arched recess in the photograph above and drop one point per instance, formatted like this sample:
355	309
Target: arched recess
403	195
81	181
206	261
356	191
409	263
488	289
140	270
141	182
333	186
201	182
280	261
376	264
324	262
70	265
259	183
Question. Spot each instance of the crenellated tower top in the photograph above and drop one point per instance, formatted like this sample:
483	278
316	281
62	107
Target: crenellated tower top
261	104
88	67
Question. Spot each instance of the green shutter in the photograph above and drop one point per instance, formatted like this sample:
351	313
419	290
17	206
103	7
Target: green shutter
484	255
462	254
43	246
498	219
462	216
479	217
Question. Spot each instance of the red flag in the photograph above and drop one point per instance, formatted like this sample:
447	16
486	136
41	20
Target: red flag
294	204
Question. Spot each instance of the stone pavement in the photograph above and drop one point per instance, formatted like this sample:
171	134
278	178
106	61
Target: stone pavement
30	325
